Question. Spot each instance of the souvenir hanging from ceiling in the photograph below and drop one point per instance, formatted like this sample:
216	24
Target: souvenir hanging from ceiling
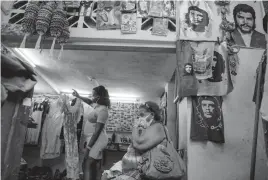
198	20
250	33
43	20
63	38
57	25
108	15
29	21
203	69
207	119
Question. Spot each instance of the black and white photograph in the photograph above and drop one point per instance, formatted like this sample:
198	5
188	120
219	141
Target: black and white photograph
134	90
199	21
207	121
247	17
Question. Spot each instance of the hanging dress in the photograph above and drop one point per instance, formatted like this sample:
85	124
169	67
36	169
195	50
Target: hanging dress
50	147
72	115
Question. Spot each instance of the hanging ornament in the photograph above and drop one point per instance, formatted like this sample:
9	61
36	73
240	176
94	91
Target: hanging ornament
63	38
57	25
43	20
29	20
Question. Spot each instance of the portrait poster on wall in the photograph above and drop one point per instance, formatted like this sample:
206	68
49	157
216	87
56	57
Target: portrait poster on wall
190	78
207	120
108	15
247	17
198	20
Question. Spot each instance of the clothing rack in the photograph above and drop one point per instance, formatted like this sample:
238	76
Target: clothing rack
257	118
50	96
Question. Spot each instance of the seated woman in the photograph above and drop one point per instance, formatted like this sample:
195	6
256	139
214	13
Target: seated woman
148	132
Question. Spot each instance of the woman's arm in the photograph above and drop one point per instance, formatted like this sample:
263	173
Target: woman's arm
86	100
101	120
149	138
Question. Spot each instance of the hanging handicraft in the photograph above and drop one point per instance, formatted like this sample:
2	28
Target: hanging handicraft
29	20
63	38
43	20
57	25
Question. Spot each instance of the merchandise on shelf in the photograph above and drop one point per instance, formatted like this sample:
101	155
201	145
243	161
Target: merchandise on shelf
128	6
156	8
143	8
160	27
129	23
108	15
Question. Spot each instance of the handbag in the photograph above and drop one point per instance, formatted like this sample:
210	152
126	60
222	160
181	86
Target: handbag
162	162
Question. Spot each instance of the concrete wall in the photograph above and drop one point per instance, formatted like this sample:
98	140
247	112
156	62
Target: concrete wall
231	161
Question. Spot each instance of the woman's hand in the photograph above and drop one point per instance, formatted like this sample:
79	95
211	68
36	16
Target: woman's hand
76	94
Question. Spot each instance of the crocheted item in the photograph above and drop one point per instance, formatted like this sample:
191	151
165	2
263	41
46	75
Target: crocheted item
43	20
63	38
57	25
29	20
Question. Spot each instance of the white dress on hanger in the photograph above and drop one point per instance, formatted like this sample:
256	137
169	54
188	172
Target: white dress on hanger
50	147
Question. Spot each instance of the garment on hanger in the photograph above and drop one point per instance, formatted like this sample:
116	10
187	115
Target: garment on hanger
33	134
72	115
50	147
203	69
207	119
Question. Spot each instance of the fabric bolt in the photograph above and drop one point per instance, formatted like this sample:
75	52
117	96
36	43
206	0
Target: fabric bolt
50	147
98	115
72	115
207	120
192	82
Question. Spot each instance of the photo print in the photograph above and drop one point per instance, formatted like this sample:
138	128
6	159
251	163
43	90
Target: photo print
198	20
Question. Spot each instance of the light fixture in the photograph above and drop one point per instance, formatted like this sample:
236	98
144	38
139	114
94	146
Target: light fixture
25	58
